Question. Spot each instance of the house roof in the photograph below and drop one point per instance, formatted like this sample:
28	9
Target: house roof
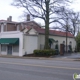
52	32
1	21
30	22
40	30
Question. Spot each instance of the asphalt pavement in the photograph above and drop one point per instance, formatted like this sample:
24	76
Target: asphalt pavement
37	69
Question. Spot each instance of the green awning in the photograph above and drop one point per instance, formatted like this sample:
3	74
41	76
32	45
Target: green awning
9	41
51	40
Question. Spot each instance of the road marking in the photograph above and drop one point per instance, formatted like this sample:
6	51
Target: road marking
45	66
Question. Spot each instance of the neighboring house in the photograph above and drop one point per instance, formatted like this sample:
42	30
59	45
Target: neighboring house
58	36
19	38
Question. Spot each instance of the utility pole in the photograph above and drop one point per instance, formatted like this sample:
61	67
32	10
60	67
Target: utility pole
67	35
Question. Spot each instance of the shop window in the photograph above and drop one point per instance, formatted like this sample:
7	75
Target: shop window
3	47
15	48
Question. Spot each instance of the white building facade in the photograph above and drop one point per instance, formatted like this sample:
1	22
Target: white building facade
20	42
8	44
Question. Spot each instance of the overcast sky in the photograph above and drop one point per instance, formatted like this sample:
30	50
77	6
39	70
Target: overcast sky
7	10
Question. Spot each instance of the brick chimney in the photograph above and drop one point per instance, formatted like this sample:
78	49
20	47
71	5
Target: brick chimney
28	17
9	18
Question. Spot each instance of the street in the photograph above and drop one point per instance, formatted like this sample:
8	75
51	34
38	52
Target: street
37	69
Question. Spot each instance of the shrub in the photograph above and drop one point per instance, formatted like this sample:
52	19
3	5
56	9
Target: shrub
45	52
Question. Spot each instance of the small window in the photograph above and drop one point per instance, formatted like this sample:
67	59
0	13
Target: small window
56	41
15	48
63	42
3	47
70	43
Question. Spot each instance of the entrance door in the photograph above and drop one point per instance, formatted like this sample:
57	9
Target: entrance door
9	49
62	49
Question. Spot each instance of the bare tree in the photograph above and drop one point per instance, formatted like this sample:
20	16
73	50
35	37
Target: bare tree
69	21
44	9
70	17
65	17
75	22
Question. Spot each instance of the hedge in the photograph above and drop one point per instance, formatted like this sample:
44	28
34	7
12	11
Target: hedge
45	52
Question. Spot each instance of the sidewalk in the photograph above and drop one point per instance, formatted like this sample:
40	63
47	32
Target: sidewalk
70	57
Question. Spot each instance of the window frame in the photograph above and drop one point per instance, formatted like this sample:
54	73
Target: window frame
5	48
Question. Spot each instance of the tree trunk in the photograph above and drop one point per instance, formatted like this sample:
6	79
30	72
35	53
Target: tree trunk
47	26
46	37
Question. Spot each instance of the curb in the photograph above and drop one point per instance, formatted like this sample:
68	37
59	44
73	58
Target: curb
40	58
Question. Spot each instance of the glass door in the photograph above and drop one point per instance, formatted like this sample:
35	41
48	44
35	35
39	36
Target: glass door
9	49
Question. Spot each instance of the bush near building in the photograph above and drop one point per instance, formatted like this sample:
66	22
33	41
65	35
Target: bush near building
45	52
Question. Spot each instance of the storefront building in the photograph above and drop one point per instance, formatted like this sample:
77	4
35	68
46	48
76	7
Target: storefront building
11	43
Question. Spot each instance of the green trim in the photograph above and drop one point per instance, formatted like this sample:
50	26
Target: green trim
9	41
51	40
